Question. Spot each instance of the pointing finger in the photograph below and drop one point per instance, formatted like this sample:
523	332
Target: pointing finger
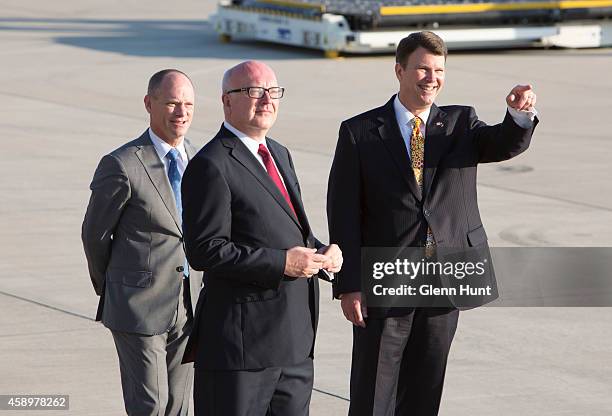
522	88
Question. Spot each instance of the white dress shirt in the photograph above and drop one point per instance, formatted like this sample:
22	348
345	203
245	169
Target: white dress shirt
162	148
253	146
405	120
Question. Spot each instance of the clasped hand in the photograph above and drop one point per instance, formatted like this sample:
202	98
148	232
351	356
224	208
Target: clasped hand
306	262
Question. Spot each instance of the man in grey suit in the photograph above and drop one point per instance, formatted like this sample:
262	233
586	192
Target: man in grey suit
133	240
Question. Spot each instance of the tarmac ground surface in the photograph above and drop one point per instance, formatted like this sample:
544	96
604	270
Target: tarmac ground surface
73	77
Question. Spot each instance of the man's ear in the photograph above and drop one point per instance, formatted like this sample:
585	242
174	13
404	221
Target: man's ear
225	99
147	103
399	70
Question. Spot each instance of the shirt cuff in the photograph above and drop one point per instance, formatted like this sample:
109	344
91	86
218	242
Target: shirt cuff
523	118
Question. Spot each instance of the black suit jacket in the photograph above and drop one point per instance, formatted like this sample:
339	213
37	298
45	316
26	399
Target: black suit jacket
237	228
373	198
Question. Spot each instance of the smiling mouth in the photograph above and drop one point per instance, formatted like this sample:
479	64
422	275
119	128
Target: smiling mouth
428	88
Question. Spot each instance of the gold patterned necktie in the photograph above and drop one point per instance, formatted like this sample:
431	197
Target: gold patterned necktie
417	158
417	151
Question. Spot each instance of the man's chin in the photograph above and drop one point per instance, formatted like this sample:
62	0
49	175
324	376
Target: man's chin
265	123
180	132
427	100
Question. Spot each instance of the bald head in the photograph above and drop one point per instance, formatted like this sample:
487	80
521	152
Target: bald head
252	116
245	69
156	80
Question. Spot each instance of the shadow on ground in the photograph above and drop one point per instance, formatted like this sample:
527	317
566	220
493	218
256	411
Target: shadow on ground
151	38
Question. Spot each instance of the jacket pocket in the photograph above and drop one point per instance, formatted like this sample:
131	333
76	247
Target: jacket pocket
257	297
130	278
477	237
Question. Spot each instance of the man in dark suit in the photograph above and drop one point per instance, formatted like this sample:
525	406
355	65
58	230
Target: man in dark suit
133	242
245	226
404	175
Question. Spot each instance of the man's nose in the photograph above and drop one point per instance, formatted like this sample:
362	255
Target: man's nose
180	109
266	97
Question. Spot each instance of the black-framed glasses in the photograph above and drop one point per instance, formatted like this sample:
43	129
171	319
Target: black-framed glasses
258	92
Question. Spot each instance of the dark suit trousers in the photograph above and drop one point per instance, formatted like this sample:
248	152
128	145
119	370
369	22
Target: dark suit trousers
153	380
399	363
274	391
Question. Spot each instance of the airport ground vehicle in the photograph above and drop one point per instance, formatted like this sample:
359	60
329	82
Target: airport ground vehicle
367	26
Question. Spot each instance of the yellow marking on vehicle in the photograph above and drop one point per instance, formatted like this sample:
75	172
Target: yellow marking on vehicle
488	7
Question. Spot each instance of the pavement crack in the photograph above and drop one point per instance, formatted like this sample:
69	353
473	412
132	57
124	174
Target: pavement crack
44	305
330	394
56	331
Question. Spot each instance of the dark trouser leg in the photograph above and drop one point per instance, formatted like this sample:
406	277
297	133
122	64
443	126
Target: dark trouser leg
275	391
424	362
234	393
399	363
293	390
366	346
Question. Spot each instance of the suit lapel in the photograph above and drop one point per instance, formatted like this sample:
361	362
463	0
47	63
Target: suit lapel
282	162
392	138
154	168
190	150
240	152
437	143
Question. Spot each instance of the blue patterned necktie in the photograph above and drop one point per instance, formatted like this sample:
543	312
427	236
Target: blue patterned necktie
174	176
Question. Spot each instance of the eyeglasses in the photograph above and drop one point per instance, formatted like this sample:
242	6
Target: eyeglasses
258	92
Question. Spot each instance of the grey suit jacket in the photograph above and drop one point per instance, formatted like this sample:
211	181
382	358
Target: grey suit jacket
133	241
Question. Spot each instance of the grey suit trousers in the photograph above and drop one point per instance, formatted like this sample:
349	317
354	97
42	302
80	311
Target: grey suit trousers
153	380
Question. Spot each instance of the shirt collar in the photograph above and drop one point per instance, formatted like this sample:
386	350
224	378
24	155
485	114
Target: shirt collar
162	148
249	142
404	116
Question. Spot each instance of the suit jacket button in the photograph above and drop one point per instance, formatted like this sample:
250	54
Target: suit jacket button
180	268
427	213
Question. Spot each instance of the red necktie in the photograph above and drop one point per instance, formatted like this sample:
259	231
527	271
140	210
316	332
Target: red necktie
274	175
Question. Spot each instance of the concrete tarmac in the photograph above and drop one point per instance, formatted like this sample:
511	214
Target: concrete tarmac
73	77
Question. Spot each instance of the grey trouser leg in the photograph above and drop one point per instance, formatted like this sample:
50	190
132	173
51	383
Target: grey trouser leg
153	379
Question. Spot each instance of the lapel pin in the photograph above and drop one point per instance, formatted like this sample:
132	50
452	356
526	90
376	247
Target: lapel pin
439	124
